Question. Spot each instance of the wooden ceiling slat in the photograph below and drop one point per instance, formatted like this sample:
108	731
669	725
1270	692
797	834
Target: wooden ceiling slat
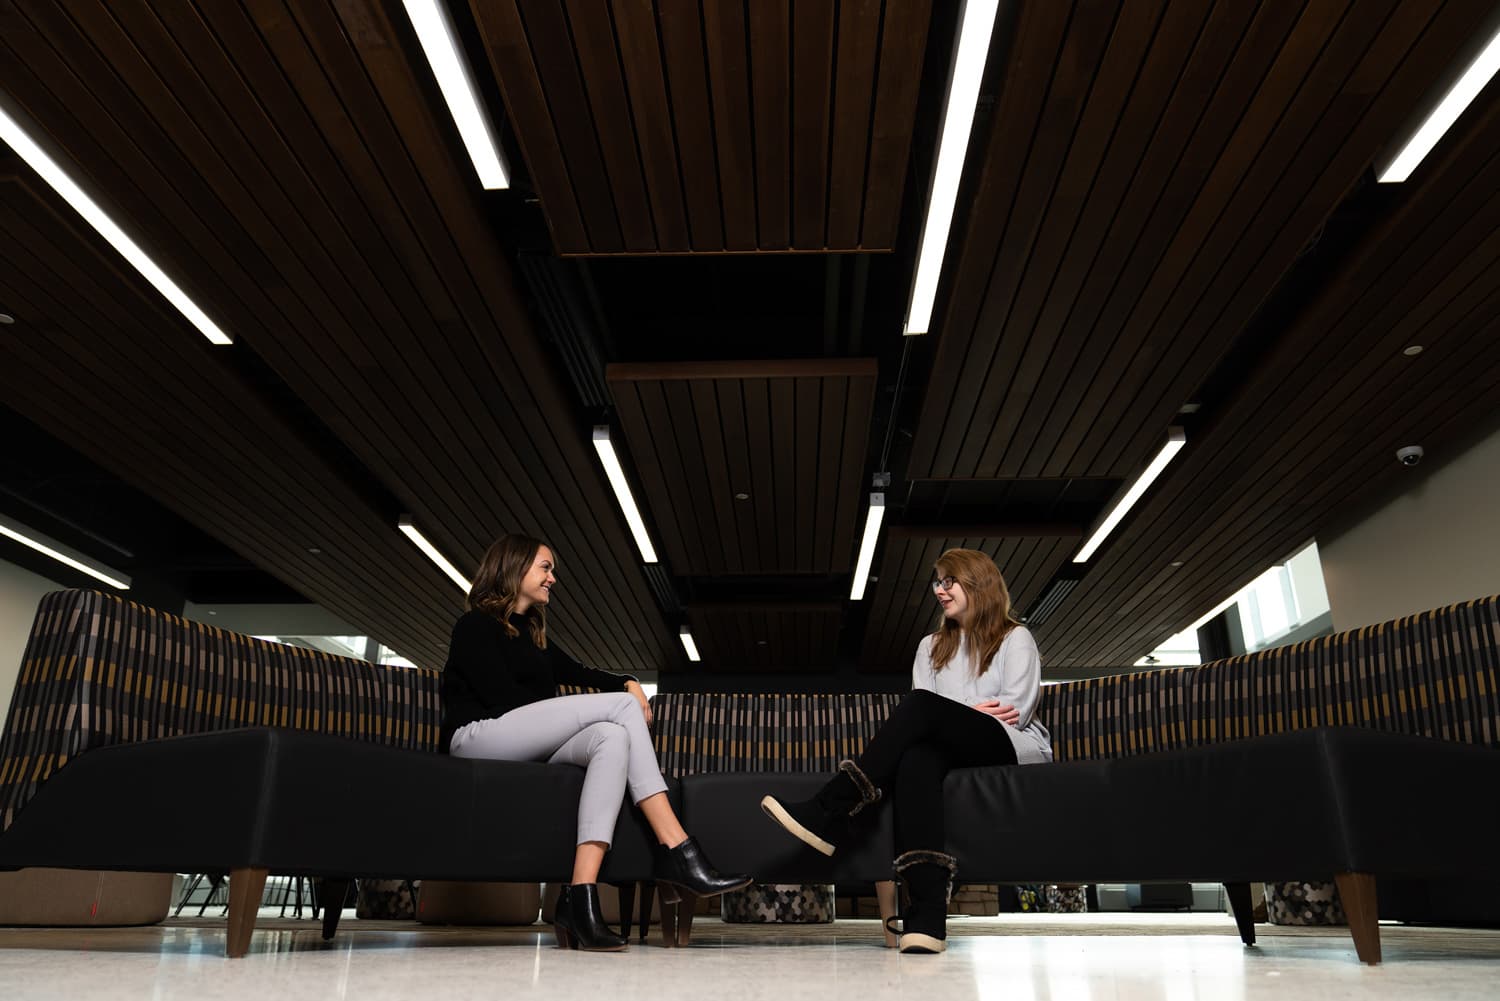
782	408
770	99
1359	122
766	637
514	67
695	172
812	89
1180	75
807	417
691	473
763	469
641	53
903	41
631	407
1238	209
598	64
828	433
624	627
1041	31
1189	165
853	108
725	34
736	437
1102	107
704	415
610	230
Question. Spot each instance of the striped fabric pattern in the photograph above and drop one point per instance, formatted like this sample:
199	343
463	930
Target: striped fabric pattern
99	670
1434	674
763	733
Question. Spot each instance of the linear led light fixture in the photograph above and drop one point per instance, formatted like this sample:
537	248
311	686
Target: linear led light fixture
63	554
1176	438
873	519
404	523
626	499
50	171
976	24
445	55
686	635
1442	117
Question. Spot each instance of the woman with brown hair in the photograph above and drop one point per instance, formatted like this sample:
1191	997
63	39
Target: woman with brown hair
500	701
975	687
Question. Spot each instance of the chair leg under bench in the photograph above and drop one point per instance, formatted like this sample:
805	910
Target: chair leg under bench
246	885
1357	894
1244	913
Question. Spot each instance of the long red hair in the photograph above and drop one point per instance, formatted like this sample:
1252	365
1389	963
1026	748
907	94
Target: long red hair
990	618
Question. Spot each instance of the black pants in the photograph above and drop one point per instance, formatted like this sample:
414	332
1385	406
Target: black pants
913	751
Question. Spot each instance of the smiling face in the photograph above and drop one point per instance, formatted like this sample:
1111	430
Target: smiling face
951	596
536	583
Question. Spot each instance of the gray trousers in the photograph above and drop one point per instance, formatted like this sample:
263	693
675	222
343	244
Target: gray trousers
604	733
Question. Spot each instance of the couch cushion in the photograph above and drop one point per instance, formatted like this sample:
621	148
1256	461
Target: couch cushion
312	804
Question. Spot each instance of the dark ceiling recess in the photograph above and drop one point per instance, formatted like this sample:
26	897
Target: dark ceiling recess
1165	205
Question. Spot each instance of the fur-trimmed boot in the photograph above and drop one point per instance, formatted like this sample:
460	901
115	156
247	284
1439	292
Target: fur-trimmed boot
823	821
928	876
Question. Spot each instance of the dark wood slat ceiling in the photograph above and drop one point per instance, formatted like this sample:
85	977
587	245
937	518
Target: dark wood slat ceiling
1310	437
726	127
765	637
1180	157
99	362
791	435
294	172
902	606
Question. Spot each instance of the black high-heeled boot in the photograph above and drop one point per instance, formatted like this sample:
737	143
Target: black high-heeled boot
687	868
579	924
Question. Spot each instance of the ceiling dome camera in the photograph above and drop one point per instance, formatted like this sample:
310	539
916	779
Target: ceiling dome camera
1410	455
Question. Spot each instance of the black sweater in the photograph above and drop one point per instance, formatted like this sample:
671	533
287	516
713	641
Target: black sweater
489	673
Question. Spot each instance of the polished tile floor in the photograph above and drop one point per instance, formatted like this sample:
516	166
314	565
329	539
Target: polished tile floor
1120	957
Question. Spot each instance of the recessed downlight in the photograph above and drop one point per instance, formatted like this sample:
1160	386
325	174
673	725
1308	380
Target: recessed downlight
1411	351
7	318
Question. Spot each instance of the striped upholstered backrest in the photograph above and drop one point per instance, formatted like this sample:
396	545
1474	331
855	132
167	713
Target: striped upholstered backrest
99	670
763	733
1434	674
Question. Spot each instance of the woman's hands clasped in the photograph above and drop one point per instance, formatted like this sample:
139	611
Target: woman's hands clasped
634	688
1009	715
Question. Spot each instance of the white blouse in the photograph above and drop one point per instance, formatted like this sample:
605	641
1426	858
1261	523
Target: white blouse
1013	676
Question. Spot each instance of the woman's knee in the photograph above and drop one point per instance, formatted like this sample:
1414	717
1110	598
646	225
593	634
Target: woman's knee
607	739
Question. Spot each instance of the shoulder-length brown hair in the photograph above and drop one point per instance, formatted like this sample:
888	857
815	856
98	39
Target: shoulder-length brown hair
990	618
497	585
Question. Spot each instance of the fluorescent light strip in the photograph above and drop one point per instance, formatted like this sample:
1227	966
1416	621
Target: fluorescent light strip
1176	438
63	554
873	519
431	552
687	644
57	178
1442	117
616	473
976	25
445	56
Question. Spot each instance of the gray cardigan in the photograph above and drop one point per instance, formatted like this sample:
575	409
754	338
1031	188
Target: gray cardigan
1013	675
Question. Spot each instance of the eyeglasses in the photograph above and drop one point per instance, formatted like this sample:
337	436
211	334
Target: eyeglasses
944	583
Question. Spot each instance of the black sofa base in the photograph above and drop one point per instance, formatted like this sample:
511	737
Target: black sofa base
1309	804
255	801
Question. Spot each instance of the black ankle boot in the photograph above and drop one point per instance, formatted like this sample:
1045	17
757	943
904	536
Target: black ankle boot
579	924
823	821
687	868
928	877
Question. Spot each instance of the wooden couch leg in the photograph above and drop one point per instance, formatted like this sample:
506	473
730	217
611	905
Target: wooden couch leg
1357	893
885	896
1244	913
246	885
332	896
648	891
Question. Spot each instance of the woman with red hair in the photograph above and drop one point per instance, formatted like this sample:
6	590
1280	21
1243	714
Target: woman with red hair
975	687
